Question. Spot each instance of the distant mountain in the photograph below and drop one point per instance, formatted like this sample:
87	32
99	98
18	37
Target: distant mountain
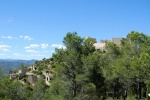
12	64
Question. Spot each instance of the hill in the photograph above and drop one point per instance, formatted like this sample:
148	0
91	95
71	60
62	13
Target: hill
12	64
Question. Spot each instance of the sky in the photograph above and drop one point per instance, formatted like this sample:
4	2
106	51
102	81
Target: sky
32	29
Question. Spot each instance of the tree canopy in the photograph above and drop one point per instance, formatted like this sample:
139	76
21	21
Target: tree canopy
82	73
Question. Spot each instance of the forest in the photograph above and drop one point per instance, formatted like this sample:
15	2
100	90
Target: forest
79	72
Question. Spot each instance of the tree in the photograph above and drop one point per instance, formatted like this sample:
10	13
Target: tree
1	74
77	70
88	47
129	62
38	90
92	72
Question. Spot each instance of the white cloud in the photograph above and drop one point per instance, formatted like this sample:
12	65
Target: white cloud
5	48
58	46
32	46
26	37
37	55
21	36
8	37
32	51
44	46
28	56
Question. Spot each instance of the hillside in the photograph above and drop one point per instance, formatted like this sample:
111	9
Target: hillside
12	64
80	72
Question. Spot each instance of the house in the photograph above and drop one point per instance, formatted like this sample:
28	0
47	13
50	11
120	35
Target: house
13	76
22	72
19	74
32	79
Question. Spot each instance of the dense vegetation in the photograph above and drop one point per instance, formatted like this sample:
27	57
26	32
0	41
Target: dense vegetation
82	73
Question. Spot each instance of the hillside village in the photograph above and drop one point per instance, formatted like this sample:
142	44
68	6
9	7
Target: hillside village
29	75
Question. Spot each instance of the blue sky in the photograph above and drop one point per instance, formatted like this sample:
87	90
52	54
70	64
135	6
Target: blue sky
32	29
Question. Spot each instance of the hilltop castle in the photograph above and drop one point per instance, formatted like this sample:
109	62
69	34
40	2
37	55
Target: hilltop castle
102	44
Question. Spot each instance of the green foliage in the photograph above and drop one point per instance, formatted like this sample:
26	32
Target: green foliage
88	47
38	90
79	72
78	67
1	74
73	42
13	90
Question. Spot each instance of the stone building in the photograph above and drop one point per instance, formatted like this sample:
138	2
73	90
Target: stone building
32	79
101	45
47	79
33	67
13	76
21	72
117	41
